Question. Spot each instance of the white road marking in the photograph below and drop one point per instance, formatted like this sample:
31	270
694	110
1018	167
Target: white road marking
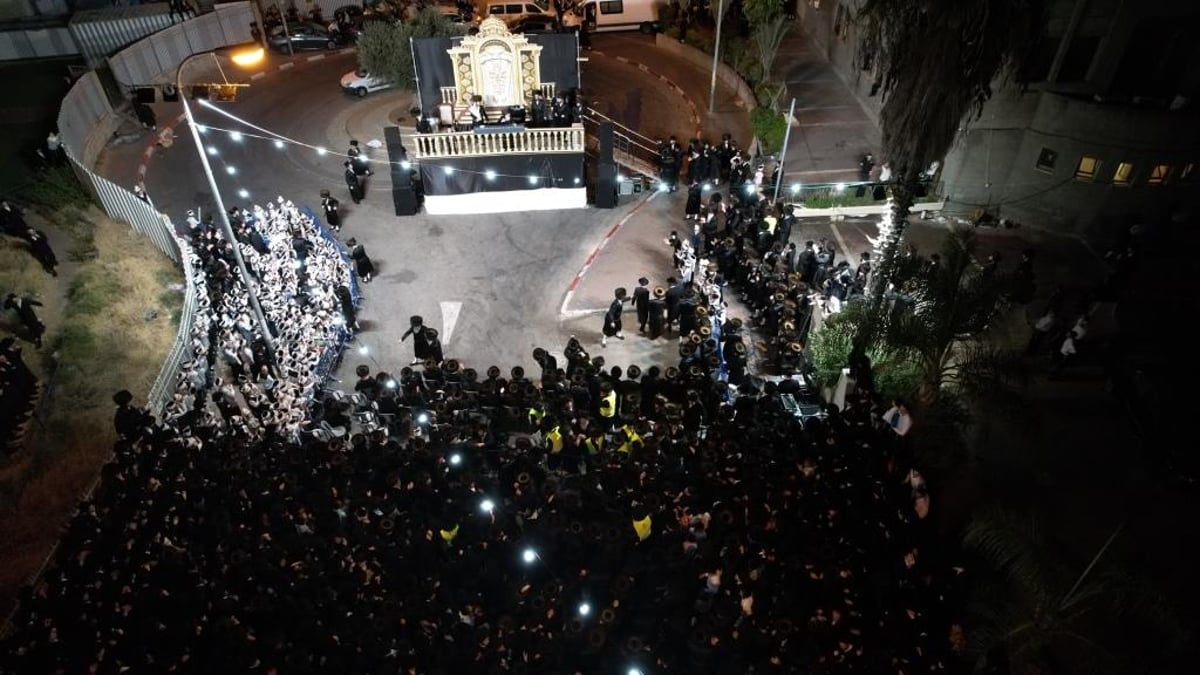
837	234
450	311
285	66
317	57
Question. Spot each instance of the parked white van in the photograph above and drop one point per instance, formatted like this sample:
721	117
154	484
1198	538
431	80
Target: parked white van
612	15
511	12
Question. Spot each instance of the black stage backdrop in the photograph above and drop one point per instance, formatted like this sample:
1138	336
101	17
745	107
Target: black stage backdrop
559	63
469	174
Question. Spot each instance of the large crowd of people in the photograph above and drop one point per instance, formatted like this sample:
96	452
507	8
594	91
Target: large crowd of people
444	521
303	283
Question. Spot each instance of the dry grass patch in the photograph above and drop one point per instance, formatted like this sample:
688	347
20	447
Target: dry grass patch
109	327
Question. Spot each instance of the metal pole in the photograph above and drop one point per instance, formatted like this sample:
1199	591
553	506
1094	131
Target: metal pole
226	226
712	88
287	37
787	135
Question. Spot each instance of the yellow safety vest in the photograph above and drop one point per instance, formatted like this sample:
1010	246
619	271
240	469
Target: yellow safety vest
594	447
535	416
556	440
611	409
627	446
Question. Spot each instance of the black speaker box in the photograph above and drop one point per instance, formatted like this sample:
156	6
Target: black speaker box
145	94
606	185
404	199
605	136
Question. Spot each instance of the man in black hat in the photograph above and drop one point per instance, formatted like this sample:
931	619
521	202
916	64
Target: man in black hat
540	110
352	183
358	159
416	328
612	318
673	296
332	217
641	301
29	319
656	309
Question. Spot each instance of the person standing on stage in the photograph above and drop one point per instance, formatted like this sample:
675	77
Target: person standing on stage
332	217
540	111
352	183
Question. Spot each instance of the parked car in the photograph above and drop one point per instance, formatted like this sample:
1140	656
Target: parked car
305	36
360	83
534	24
509	11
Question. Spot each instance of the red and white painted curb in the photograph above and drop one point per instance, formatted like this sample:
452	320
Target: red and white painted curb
565	313
169	129
665	80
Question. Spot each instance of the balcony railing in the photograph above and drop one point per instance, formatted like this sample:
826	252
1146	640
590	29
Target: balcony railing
494	142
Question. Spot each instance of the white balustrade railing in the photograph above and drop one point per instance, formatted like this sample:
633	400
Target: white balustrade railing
472	144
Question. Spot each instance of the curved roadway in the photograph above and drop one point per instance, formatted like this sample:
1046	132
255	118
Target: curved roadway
504	274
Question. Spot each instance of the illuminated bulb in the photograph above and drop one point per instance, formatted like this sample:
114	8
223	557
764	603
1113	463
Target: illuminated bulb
244	193
634	671
362	349
529	555
584	609
201	128
406	165
391	384
422	418
663	187
839	187
279	144
236	135
577	180
447	170
231	170
455	459
212	150
705	186
321	151
533	180
490	174
749	189
620	178
795	188
487	505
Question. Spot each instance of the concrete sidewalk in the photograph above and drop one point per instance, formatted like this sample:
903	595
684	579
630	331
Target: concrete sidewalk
832	129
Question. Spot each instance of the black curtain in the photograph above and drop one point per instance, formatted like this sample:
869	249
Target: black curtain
559	64
512	172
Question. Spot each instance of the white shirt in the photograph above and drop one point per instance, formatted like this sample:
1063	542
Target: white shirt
1045	323
900	422
885	174
1068	346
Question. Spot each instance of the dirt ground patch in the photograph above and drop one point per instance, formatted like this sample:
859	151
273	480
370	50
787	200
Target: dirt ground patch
110	319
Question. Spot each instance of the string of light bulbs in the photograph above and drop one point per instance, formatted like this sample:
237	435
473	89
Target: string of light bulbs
281	141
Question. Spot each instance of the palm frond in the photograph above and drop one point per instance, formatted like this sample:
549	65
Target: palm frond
1009	542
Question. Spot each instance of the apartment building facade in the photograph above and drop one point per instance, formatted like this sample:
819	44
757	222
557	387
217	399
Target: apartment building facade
1105	130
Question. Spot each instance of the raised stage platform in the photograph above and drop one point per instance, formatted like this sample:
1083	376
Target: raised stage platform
501	169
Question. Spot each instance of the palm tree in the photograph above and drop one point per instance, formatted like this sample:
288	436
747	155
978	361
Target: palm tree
937	319
937	60
1031	608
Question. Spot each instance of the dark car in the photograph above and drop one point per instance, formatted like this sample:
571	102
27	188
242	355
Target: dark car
305	36
534	24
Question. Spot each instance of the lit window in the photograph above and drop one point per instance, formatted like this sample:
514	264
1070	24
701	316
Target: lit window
1158	175
1047	158
1087	168
1186	173
1123	174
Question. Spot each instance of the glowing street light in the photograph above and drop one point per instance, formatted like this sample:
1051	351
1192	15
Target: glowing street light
529	555
278	144
584	609
455	459
487	506
236	135
248	57
490	174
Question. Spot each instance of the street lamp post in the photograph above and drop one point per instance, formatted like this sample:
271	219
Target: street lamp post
712	88
787	136
226	226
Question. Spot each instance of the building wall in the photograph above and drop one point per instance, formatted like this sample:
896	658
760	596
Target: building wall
1092	98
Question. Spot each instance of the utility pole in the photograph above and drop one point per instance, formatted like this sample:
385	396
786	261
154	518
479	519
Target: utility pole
787	136
712	89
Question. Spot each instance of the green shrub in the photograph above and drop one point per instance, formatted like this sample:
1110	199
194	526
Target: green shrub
770	128
56	187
